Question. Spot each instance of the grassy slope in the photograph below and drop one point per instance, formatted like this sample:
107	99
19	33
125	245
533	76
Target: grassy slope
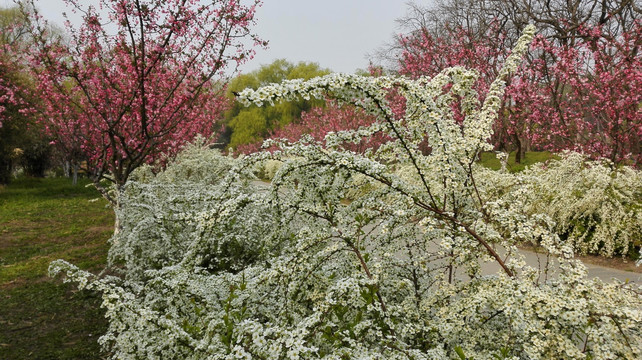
42	220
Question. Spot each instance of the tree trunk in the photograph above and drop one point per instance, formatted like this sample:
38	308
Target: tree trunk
117	212
114	201
519	152
66	168
74	180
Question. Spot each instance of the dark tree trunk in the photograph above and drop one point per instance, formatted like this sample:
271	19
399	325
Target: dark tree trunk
520	150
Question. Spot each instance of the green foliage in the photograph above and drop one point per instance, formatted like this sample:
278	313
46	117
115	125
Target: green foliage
22	144
247	125
36	157
489	160
460	353
13	25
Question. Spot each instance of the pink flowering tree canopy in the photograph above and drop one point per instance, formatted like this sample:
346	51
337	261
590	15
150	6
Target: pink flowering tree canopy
583	95
137	79
591	95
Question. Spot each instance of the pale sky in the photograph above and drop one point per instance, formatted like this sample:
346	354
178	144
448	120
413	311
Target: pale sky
336	34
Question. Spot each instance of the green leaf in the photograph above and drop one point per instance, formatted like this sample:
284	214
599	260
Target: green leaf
460	352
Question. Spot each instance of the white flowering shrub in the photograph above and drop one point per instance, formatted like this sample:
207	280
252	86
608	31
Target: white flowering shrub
421	266
196	163
161	215
595	207
598	209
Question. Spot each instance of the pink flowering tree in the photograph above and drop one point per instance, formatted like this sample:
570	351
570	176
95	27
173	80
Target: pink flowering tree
591	95
581	95
12	122
12	38
18	132
137	79
8	92
321	120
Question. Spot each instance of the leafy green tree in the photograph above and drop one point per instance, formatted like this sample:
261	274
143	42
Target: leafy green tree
247	125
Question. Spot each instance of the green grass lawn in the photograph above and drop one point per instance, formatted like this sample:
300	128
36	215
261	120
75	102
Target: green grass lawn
43	220
489	160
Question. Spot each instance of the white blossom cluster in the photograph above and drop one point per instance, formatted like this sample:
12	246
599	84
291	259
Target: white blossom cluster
230	270
596	207
160	214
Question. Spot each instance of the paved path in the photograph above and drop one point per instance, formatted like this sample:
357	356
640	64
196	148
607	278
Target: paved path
538	260
604	273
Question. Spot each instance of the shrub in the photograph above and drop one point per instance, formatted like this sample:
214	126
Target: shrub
157	215
266	170
595	206
394	274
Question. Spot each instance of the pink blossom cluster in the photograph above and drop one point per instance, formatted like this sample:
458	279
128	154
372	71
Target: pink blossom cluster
9	92
14	91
